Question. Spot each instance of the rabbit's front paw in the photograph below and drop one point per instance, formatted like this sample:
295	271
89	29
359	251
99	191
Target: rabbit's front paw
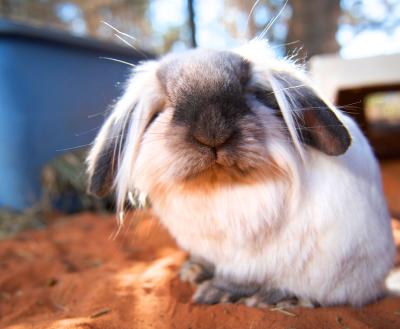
213	292
196	271
278	298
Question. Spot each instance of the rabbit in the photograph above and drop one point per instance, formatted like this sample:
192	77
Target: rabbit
273	191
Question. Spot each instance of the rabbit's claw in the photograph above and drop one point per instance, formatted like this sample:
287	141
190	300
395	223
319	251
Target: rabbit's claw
213	292
216	291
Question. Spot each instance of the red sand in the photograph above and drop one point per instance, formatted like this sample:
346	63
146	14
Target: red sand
72	275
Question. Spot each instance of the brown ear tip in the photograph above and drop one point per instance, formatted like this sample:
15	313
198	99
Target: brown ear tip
341	146
97	189
346	140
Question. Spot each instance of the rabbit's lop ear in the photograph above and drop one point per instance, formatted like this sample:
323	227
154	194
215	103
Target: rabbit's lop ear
308	116
111	159
104	157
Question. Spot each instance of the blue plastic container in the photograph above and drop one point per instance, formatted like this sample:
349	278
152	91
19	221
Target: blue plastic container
51	86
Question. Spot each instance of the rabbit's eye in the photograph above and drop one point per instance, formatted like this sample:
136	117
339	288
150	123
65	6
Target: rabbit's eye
153	118
267	98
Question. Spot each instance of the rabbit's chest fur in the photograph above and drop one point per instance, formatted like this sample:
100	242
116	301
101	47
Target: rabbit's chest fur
227	215
238	228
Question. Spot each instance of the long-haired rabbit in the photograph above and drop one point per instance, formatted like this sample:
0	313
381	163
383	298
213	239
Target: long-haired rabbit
273	191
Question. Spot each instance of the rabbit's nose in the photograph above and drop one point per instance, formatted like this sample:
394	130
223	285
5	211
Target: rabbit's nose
211	127
214	138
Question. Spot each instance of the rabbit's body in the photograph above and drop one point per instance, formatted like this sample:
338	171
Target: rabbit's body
322	244
263	210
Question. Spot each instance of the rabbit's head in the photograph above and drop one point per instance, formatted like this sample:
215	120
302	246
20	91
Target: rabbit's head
212	117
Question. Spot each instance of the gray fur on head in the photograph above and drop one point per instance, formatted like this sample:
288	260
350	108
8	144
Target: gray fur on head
219	105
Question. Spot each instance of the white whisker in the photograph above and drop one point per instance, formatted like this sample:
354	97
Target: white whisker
118	31
103	113
287	88
74	147
124	41
87	131
117	60
265	31
250	13
285	44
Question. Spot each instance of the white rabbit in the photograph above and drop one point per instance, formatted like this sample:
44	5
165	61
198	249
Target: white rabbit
274	192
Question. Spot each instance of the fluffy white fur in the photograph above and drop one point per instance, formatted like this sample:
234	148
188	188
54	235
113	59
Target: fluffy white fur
318	228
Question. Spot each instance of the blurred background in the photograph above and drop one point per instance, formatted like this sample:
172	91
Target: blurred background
64	63
355	28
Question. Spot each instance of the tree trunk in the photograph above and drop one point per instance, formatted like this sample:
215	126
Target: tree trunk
192	24
313	26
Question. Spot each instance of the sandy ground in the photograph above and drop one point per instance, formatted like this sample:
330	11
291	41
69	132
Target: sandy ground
73	275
